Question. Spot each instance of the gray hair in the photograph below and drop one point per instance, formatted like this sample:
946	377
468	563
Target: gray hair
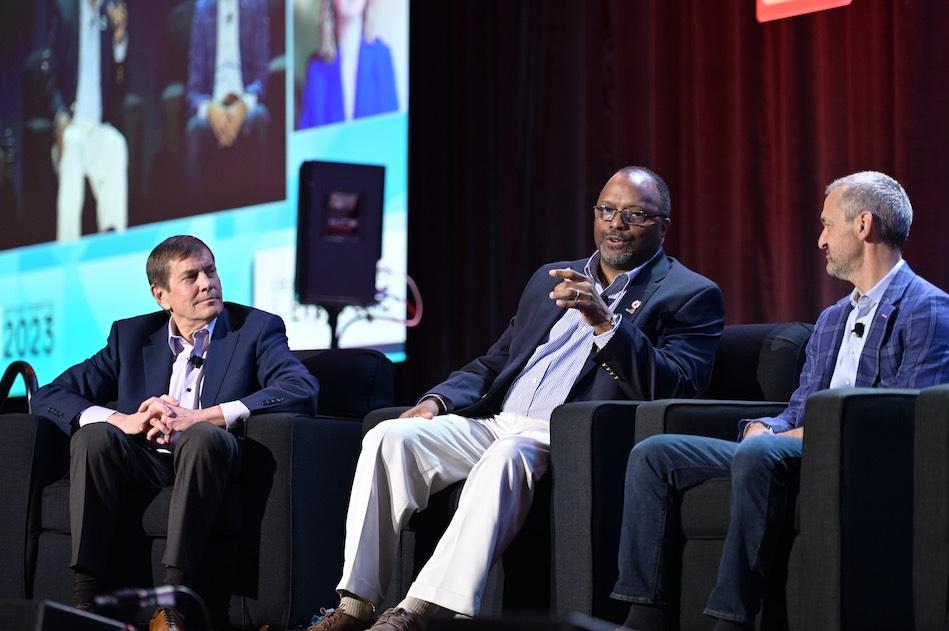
882	197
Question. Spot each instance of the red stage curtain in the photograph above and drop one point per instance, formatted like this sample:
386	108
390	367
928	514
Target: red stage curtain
521	110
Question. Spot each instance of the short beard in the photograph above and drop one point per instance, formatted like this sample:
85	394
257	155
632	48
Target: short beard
622	260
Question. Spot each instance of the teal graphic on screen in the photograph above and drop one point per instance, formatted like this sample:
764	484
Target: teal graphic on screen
172	136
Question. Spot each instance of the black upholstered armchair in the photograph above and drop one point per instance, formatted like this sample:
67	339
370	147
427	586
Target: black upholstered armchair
285	518
848	545
931	510
590	442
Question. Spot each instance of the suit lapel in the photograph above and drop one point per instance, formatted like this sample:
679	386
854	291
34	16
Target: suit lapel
633	302
157	360
642	287
868	371
220	352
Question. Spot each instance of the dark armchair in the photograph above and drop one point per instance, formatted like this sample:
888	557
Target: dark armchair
931	510
590	442
849	543
285	519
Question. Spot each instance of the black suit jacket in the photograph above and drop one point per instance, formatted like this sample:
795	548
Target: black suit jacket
64	42
248	360
662	348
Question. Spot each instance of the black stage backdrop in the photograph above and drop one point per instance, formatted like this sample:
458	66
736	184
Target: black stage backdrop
521	110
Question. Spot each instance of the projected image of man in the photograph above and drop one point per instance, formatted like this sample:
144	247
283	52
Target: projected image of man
89	42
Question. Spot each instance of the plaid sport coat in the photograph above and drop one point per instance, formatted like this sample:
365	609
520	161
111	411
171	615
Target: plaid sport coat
907	344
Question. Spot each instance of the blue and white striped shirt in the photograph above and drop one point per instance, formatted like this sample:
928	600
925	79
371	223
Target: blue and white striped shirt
550	373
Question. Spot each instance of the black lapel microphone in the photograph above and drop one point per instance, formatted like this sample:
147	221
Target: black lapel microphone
857	330
197	361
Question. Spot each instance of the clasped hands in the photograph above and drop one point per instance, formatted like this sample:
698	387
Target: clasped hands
159	418
226	119
576	291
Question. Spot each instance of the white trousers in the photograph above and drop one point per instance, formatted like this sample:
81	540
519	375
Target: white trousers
404	461
99	151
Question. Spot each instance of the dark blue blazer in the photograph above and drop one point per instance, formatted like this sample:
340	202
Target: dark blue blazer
64	42
254	46
907	344
322	100
248	360
662	348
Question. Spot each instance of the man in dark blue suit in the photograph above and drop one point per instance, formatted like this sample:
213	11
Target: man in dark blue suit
157	407
627	323
226	138
892	331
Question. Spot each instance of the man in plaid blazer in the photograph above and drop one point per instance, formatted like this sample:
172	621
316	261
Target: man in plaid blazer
892	331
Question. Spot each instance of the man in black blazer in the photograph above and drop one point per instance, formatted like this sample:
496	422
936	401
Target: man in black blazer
628	323
89	41
158	406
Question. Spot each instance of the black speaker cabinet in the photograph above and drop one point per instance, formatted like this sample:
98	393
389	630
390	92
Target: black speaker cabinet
339	233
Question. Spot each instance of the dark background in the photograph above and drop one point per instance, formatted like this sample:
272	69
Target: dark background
520	112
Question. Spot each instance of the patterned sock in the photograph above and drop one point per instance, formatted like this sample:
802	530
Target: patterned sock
356	607
422	608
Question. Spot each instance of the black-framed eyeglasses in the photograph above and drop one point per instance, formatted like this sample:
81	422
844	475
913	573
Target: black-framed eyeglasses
630	216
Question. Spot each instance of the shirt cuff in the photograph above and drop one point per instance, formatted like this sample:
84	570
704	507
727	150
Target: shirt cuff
603	338
203	109
233	412
95	414
250	100
444	405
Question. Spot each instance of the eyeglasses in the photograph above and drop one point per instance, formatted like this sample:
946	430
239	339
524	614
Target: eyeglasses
629	216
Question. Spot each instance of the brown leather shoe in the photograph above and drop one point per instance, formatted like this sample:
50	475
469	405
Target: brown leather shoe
336	620
399	620
166	619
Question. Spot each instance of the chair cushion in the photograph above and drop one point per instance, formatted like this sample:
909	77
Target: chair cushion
781	360
353	381
705	509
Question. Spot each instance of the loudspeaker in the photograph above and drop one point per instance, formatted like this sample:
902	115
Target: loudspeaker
28	615
572	622
339	233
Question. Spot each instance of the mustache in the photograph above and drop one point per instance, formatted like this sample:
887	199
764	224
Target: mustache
617	235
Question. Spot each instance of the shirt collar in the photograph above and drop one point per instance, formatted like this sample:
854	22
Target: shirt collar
622	281
874	295
177	342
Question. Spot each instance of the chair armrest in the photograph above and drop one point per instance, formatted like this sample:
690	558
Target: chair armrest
699	417
382	414
590	444
856	503
931	508
296	476
34	453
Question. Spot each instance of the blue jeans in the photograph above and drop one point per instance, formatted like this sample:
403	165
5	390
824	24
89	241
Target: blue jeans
765	477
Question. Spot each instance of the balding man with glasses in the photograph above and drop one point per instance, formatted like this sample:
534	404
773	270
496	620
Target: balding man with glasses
626	323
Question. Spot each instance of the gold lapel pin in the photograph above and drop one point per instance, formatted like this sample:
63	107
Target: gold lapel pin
631	309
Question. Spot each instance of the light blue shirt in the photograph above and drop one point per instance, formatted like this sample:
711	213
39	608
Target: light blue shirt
851	347
550	373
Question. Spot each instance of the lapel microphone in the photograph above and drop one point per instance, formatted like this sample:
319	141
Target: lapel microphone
857	330
197	361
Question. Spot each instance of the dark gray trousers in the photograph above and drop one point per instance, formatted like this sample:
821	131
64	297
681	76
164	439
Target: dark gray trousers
111	471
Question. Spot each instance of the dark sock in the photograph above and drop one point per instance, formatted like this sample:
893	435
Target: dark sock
646	618
174	575
83	590
728	625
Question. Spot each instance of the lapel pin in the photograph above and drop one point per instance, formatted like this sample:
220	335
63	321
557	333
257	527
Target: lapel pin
631	309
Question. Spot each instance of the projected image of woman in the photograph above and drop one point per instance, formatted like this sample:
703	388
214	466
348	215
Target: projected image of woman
350	75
